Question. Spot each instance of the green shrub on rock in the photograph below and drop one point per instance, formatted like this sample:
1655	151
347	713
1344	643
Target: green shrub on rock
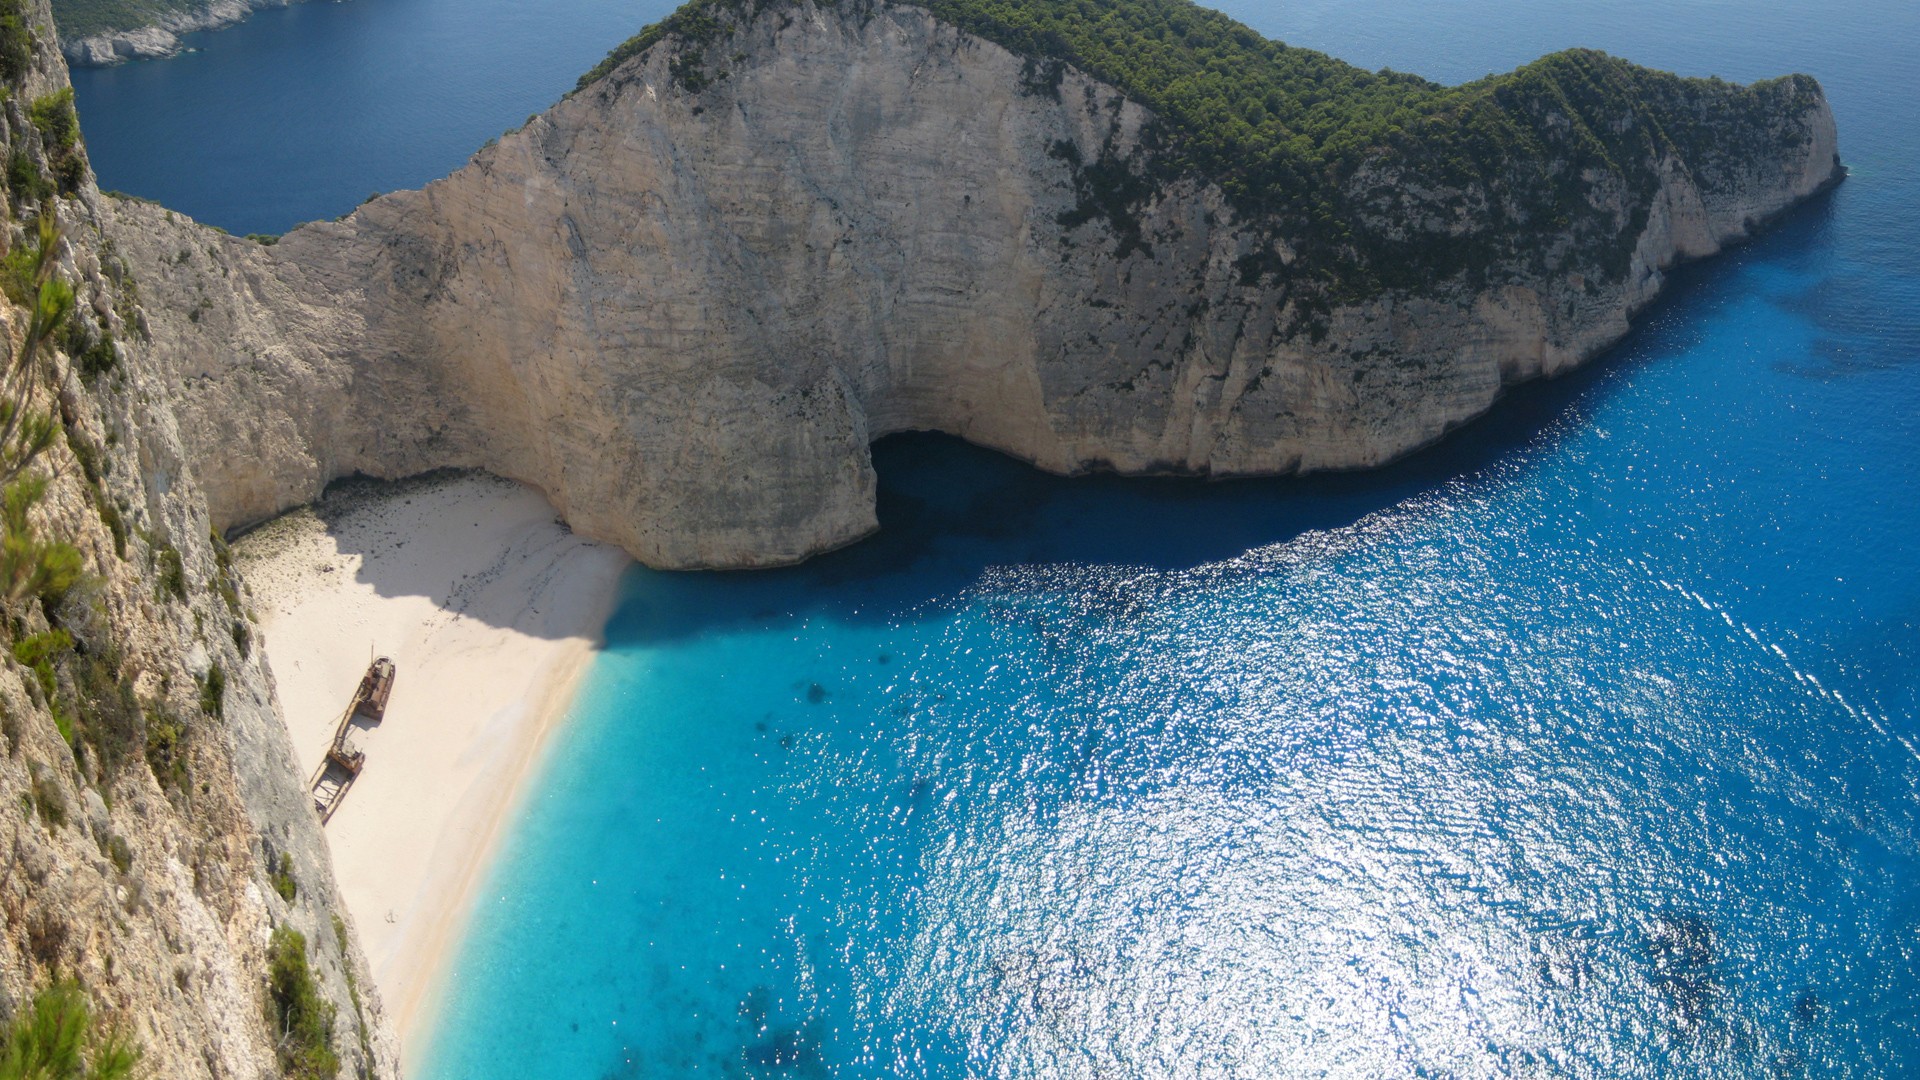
283	880
213	691
25	181
55	1038
31	565
59	128
37	652
301	1020
166	748
16	42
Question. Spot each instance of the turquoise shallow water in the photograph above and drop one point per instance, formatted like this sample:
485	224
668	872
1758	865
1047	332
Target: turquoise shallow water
1583	744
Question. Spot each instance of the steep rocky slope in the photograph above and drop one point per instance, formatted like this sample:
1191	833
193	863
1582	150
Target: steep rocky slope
157	831
685	300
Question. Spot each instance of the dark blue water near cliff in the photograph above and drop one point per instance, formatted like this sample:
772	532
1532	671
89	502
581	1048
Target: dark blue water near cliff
1584	744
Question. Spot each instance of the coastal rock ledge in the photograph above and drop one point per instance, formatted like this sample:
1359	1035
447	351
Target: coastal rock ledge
161	38
685	300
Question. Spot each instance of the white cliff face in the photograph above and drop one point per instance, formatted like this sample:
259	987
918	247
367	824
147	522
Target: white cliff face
685	315
155	887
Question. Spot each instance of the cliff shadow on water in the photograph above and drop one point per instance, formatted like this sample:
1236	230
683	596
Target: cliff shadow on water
949	511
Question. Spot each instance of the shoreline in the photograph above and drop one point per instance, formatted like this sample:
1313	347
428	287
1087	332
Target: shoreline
492	611
160	39
417	1016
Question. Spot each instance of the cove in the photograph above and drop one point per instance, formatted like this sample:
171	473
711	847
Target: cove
1582	743
1500	759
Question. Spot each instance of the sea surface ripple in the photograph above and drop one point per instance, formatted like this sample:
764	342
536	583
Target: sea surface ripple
1582	744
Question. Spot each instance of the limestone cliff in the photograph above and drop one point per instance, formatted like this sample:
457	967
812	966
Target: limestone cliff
683	303
157	831
685	300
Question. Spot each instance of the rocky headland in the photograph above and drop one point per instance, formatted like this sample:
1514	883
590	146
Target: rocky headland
151	31
684	301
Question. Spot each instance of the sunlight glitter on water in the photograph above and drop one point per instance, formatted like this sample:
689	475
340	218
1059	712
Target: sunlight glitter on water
1582	744
1449	787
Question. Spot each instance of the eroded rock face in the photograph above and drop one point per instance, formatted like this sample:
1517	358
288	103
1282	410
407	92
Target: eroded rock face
155	845
685	314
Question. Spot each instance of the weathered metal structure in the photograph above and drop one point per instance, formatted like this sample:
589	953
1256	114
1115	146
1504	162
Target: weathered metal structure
344	759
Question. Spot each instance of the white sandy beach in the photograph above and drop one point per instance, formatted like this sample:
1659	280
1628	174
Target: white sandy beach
491	611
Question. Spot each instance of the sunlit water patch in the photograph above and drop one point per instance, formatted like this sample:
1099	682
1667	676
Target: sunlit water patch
1581	745
1456	786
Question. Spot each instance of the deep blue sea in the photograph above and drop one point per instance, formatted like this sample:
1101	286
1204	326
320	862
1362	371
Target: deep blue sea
1586	743
301	113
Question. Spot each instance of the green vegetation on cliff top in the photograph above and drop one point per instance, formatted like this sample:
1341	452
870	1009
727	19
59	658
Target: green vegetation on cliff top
1286	131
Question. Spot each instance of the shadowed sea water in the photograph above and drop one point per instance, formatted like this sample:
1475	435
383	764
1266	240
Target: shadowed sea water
1583	744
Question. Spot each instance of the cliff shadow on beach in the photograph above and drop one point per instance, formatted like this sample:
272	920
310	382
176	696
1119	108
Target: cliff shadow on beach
471	544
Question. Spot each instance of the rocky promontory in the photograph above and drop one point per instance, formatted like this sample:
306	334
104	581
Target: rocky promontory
148	31
684	301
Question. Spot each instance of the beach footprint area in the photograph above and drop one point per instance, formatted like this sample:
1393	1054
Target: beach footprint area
491	610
